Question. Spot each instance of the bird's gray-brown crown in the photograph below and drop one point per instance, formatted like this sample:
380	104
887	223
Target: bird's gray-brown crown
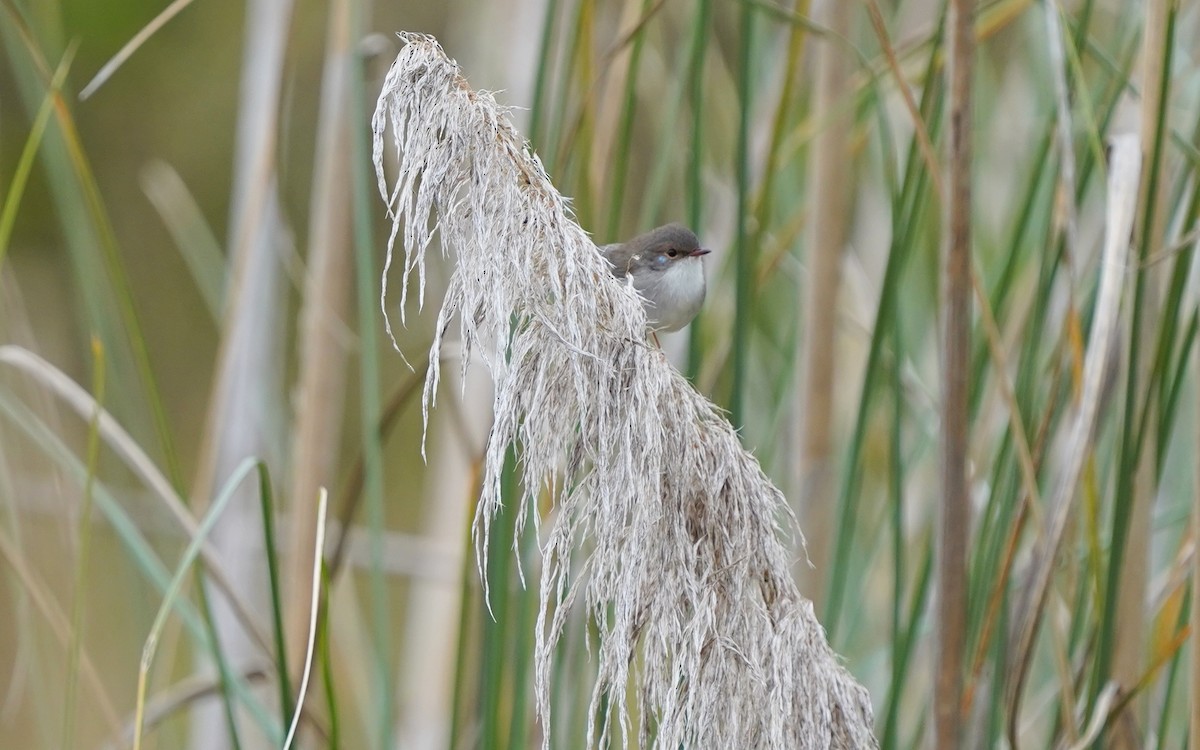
654	249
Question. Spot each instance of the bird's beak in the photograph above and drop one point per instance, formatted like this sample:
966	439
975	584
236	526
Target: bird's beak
698	252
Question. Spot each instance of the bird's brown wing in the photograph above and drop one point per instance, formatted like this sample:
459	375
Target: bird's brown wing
618	256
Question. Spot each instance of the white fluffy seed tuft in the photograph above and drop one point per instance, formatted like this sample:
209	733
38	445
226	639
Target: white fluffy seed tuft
665	527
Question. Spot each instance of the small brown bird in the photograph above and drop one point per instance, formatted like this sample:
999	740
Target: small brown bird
668	272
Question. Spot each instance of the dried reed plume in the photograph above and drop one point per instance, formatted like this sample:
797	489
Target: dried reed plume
665	527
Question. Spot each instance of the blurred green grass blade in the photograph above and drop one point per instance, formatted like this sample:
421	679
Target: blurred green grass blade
135	543
366	291
271	549
569	76
792	69
82	562
743	241
1044	404
334	740
906	209
1005	502
1092	129
624	146
993	731
99	270
114	64
1173	313
999	292
696	57
664	158
101	276
701	20
1174	392
537	112
175	587
570	159
526	603
904	645
194	238
312	632
461	712
20	177
1037	213
1049	264
578	701
1133	429
899	546
498	628
1163	730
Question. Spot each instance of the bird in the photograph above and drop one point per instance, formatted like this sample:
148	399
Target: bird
667	269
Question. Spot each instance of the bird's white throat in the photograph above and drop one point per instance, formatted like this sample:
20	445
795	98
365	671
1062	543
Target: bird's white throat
674	295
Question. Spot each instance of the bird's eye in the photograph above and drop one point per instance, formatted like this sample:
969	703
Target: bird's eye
673	253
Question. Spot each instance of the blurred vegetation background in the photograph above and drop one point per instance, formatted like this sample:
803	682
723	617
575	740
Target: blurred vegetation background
190	264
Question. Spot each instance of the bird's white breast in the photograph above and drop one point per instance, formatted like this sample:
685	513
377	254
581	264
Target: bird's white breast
673	296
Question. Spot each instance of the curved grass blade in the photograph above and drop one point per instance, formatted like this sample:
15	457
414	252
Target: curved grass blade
175	586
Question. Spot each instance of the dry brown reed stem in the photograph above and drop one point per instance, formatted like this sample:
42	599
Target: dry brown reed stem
665	529
954	510
320	395
830	195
